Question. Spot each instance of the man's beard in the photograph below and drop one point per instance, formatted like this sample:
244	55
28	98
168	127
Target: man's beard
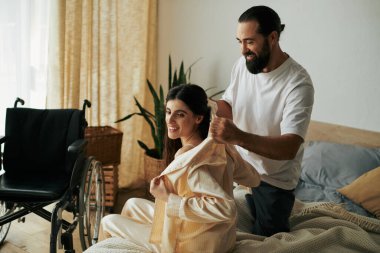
260	61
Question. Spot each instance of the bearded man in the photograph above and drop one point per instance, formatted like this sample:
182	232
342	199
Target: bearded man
265	112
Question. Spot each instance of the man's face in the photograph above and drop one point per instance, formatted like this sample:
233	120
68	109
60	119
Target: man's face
254	46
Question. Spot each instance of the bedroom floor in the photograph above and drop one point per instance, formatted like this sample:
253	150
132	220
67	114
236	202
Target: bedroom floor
33	235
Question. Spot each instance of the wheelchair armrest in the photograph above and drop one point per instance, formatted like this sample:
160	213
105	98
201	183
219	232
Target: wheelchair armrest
77	146
2	139
76	153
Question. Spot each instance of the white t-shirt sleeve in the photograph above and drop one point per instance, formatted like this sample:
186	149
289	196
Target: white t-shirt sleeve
298	108
228	95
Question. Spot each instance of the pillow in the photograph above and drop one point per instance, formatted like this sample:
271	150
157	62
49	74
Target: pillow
328	166
333	165
365	191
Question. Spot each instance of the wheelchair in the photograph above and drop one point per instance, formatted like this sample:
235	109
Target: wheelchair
45	171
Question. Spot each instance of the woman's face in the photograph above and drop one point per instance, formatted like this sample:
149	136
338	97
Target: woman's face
180	120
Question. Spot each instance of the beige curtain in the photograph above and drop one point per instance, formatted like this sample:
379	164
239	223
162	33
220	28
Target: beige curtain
104	51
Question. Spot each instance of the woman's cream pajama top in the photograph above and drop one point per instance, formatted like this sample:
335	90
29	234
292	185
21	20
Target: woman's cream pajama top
200	214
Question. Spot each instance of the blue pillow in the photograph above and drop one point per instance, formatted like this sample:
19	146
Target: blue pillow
335	165
328	166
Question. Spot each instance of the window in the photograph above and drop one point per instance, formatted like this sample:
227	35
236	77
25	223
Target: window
23	53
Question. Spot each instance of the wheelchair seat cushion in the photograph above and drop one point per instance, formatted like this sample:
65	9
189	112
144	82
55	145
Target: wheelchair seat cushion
30	187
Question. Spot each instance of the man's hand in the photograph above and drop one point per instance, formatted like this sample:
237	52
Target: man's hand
223	130
158	188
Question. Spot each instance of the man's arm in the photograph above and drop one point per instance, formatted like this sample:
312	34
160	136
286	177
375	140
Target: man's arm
224	109
284	147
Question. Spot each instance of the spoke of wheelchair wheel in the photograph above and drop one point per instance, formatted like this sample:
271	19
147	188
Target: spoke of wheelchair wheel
100	202
4	228
93	202
89	203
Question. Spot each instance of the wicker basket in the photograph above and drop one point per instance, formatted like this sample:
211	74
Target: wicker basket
110	173
104	143
111	184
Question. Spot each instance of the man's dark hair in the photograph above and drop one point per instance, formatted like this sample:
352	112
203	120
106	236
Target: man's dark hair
267	18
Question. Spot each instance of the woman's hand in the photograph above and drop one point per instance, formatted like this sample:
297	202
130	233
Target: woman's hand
158	188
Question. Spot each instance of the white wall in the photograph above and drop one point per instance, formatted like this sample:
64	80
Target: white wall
337	41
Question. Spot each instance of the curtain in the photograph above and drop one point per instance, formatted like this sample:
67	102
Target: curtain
23	53
104	51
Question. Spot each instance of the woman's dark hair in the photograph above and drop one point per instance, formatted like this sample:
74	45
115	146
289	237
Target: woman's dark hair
267	18
196	99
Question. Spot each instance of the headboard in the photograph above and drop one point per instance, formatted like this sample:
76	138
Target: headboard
342	134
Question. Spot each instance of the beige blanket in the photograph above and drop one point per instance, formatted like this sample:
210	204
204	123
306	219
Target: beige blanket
318	227
315	227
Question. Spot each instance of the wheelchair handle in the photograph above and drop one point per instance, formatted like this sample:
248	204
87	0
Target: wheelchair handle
22	102
86	103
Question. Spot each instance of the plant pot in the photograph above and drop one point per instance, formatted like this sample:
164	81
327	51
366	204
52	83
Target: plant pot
152	168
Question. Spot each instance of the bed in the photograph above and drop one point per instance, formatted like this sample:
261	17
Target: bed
337	205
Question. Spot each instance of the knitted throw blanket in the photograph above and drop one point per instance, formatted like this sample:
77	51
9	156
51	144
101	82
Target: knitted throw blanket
318	227
315	227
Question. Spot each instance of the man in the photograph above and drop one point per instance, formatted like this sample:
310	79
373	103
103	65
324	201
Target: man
265	111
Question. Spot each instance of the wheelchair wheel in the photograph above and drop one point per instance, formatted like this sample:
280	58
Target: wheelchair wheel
91	203
5	209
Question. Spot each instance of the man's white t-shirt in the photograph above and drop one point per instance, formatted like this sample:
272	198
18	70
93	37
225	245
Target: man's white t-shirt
272	104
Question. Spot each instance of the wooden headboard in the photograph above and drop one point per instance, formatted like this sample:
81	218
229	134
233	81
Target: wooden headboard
342	134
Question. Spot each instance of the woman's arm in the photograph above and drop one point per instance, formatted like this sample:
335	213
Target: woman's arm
244	173
209	203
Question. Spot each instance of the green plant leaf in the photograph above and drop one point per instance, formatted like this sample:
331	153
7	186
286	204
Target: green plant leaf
181	75
216	94
170	73
160	120
128	116
162	98
154	93
188	71
153	153
149	121
143	110
143	146
159	110
175	79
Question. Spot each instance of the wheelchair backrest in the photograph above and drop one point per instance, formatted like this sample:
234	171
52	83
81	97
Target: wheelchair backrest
37	139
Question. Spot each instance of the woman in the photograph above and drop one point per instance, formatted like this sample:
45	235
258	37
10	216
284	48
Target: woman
194	209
